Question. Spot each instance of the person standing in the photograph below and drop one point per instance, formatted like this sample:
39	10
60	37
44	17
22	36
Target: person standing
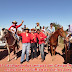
26	37
41	36
38	26
33	43
23	28
43	30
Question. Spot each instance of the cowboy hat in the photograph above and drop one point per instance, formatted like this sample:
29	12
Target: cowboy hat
27	29
37	23
14	22
33	29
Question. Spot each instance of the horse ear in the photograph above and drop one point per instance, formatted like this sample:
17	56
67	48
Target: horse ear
57	27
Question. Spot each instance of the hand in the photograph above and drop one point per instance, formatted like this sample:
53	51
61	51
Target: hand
67	39
17	32
22	21
33	37
49	34
41	37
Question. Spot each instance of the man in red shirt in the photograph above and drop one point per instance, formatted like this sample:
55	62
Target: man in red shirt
15	26
13	29
25	44
41	36
33	42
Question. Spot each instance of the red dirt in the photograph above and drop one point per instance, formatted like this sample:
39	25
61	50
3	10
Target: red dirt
51	64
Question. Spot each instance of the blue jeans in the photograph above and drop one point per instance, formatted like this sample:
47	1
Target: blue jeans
41	48
25	47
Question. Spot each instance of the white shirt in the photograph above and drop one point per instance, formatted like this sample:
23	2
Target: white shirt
13	30
50	30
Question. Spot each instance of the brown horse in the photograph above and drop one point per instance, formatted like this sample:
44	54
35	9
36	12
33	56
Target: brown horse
54	39
11	41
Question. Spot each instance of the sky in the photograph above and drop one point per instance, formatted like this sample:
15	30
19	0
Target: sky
32	11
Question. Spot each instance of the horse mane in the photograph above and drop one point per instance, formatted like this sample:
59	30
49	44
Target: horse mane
10	32
57	30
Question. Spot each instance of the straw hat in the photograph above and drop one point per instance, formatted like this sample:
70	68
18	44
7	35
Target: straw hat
27	28
14	22
33	29
37	23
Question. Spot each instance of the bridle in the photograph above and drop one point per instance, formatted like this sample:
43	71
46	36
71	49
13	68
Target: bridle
61	33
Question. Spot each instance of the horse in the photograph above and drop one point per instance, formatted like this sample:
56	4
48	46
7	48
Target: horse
10	41
54	39
68	48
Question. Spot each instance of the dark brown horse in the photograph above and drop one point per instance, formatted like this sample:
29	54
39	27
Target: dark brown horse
11	41
54	39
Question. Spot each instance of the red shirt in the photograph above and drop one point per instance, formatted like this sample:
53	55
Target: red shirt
32	36
41	40
15	26
25	39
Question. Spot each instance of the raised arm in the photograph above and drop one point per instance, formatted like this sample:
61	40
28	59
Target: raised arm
10	28
20	24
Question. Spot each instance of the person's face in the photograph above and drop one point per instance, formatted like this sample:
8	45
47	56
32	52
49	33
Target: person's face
24	26
33	31
27	31
43	27
14	23
51	25
37	24
38	31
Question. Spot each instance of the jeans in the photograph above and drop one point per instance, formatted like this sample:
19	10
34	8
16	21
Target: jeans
41	48
33	46
17	36
25	47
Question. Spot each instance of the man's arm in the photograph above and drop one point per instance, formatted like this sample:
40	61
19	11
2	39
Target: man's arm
43	36
54	29
10	28
20	24
19	34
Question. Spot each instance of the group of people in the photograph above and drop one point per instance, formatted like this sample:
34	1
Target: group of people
30	39
33	37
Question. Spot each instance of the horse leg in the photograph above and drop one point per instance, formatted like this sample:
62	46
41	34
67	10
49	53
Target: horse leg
51	50
15	52
8	53
54	51
65	53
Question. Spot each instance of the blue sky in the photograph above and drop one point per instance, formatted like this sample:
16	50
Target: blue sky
32	11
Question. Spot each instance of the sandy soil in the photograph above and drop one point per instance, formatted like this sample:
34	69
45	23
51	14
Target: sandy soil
51	64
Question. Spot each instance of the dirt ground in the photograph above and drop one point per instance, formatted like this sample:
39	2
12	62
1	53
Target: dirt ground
51	64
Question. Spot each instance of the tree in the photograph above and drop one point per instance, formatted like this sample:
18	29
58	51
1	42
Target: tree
56	26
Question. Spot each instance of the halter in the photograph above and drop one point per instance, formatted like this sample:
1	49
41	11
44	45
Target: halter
61	33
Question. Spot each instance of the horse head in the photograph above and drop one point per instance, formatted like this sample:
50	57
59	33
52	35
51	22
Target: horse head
4	32
61	32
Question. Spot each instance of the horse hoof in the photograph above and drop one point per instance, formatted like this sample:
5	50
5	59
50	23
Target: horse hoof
15	58
8	60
